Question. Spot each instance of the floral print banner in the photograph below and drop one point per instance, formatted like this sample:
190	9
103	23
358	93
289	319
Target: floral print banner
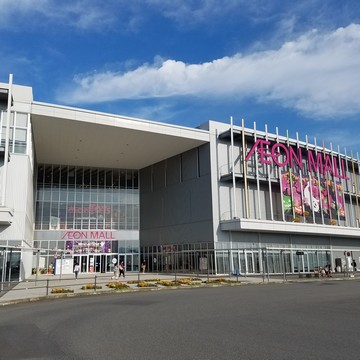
308	195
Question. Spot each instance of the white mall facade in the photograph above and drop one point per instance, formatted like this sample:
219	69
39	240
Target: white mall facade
84	187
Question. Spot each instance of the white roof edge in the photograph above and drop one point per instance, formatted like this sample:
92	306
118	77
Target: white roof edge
54	110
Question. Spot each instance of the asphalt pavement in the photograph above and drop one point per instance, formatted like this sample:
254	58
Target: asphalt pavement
301	319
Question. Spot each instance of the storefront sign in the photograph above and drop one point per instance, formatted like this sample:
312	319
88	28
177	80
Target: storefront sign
282	155
92	209
92	235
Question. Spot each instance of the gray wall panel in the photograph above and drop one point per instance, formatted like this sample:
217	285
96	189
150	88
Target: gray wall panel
177	234
151	215
159	176
173	170
201	207
178	212
146	180
189	165
177	205
204	160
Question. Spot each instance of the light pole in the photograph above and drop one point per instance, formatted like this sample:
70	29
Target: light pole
62	254
37	265
3	253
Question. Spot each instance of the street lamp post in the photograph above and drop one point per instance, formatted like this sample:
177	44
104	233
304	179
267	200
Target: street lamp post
3	253
37	265
62	254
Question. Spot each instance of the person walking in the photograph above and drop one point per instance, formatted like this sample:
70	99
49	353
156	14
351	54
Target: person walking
76	270
116	272
122	269
143	266
353	264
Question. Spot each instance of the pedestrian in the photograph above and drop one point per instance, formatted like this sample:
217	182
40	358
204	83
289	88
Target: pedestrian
354	265
76	270
329	274
143	266
122	269
51	269
326	269
116	272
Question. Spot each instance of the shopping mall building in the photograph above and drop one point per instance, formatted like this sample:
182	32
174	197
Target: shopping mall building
80	186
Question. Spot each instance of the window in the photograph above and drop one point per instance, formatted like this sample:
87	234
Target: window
17	132
86	198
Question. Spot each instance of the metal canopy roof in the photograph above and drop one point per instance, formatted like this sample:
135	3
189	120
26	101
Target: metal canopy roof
69	136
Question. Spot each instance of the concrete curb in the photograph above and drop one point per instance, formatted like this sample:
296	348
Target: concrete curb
133	288
117	291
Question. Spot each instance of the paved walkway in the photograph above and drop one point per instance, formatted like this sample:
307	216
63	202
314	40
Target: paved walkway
40	287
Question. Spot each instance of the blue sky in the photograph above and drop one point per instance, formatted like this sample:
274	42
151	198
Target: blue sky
290	64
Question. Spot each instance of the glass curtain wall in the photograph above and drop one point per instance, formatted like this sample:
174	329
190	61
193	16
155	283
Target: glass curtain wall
187	258
87	200
202	259
9	266
80	198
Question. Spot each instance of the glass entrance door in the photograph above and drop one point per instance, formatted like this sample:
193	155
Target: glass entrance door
88	263
286	262
103	263
9	265
301	262
77	260
249	262
109	263
91	264
235	263
84	263
129	265
97	263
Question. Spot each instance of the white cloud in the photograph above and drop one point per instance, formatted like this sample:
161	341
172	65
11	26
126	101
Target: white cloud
335	136
81	14
134	15
157	111
96	15
187	13
318	74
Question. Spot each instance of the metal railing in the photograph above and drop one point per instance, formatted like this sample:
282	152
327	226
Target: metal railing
97	283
